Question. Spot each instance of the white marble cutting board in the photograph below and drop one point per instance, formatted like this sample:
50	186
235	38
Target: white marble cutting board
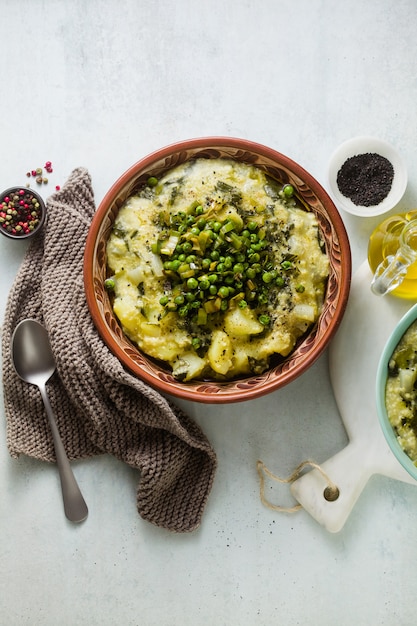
353	360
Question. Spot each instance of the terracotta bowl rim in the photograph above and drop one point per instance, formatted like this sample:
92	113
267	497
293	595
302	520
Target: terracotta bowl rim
235	393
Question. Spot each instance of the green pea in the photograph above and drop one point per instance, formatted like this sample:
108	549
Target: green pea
288	191
183	311
264	319
267	277
179	300
204	284
212	290
152	181
175	264
109	284
192	283
223	292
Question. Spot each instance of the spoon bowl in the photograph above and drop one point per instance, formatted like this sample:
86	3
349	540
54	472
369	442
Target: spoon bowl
34	363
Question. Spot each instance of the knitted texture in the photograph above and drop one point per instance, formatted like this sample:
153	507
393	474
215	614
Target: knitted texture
99	406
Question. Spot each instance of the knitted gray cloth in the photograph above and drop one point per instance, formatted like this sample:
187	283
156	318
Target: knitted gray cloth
99	406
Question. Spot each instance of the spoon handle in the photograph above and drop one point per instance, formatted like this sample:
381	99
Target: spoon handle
74	504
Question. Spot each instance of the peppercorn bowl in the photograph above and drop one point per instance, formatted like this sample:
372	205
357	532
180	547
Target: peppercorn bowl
22	213
310	195
367	176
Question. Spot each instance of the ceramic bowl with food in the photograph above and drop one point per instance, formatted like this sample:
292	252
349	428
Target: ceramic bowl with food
396	391
22	213
227	212
367	176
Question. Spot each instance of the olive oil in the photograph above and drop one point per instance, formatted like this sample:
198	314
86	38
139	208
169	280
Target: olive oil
384	242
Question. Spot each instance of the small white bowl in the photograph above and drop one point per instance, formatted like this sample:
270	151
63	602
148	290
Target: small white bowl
364	145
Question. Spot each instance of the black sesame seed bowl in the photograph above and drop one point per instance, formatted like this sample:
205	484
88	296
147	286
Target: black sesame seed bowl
367	176
22	213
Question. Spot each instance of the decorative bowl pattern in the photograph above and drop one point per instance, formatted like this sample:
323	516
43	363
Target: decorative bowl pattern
276	165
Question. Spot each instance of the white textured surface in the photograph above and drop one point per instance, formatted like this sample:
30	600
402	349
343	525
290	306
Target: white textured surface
101	84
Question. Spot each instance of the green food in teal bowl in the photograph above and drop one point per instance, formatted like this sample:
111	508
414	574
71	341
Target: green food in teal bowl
396	391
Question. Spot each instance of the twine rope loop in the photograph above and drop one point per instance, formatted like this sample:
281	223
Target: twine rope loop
330	493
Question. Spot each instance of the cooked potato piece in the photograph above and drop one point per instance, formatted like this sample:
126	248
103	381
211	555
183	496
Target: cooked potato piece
220	352
239	322
188	366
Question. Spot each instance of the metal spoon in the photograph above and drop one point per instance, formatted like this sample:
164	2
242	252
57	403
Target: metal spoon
34	362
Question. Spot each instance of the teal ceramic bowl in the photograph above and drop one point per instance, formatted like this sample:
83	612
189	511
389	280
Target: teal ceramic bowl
381	381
